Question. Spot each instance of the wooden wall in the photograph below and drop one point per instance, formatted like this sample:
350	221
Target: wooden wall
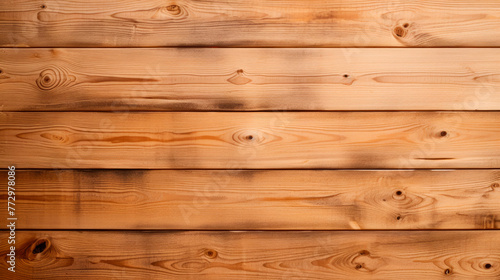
210	139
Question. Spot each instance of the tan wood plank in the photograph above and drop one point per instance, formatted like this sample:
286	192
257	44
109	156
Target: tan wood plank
288	23
249	79
264	140
255	255
256	200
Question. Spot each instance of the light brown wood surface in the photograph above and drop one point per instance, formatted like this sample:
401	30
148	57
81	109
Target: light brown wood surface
249	139
263	140
255	200
196	79
257	255
288	23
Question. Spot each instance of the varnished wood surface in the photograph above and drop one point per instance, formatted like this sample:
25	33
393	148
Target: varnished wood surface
255	200
101	102
250	23
197	79
256	255
264	140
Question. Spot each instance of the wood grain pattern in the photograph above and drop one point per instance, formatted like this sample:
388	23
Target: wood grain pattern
256	255
197	79
256	200
262	140
152	23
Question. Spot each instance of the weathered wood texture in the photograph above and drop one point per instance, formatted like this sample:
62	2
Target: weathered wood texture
249	79
253	200
261	140
256	255
129	23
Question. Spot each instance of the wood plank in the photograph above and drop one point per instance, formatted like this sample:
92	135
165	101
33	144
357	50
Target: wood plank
249	79
256	200
265	140
255	255
249	23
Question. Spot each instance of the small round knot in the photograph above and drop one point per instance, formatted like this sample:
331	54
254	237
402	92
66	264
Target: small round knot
399	195
443	133
211	254
406	25
359	266
1	71
239	78
399	32
174	9
494	185
54	77
248	138
48	79
364	253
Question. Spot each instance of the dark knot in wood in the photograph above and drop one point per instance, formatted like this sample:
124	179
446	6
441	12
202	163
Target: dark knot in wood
54	77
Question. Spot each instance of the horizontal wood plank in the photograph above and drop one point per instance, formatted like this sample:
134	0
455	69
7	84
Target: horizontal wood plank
264	140
249	23
255	255
256	200
196	79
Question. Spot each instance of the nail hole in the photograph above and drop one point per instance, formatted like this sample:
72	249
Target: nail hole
487	266
43	6
447	271
444	133
398	218
406	25
40	247
399	193
1	71
346	75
